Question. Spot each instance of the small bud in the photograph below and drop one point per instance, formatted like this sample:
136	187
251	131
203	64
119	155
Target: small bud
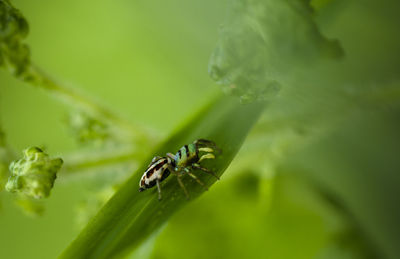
14	53
34	174
88	129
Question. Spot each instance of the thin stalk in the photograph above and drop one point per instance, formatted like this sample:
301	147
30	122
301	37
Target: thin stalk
71	97
110	158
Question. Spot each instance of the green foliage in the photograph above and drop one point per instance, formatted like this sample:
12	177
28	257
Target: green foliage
34	174
318	4
94	121
88	129
14	53
130	217
256	217
89	208
316	178
356	168
264	42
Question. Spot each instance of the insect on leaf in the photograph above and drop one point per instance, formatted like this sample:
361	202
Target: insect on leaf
131	216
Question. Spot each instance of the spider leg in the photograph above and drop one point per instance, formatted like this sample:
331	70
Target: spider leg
172	156
206	156
178	177
206	149
159	190
182	186
197	166
196	179
204	143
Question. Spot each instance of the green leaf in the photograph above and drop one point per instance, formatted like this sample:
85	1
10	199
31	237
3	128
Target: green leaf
358	164
267	212
14	53
130	217
263	42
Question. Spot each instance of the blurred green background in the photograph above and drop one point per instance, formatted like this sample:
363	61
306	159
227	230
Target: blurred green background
317	178
146	60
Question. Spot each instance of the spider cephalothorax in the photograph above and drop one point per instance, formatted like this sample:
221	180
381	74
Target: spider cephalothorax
183	162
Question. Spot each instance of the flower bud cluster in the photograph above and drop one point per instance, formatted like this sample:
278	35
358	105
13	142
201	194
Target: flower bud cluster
34	174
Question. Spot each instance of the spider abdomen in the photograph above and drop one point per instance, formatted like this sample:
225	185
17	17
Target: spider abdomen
158	171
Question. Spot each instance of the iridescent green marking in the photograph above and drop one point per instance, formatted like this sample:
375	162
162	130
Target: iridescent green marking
192	149
181	156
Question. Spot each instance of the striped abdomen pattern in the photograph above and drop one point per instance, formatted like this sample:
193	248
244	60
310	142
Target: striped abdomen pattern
158	170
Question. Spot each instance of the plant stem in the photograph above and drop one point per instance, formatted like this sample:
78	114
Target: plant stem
110	158
71	97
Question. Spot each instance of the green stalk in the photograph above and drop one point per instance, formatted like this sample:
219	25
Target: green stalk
71	97
111	158
130	217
